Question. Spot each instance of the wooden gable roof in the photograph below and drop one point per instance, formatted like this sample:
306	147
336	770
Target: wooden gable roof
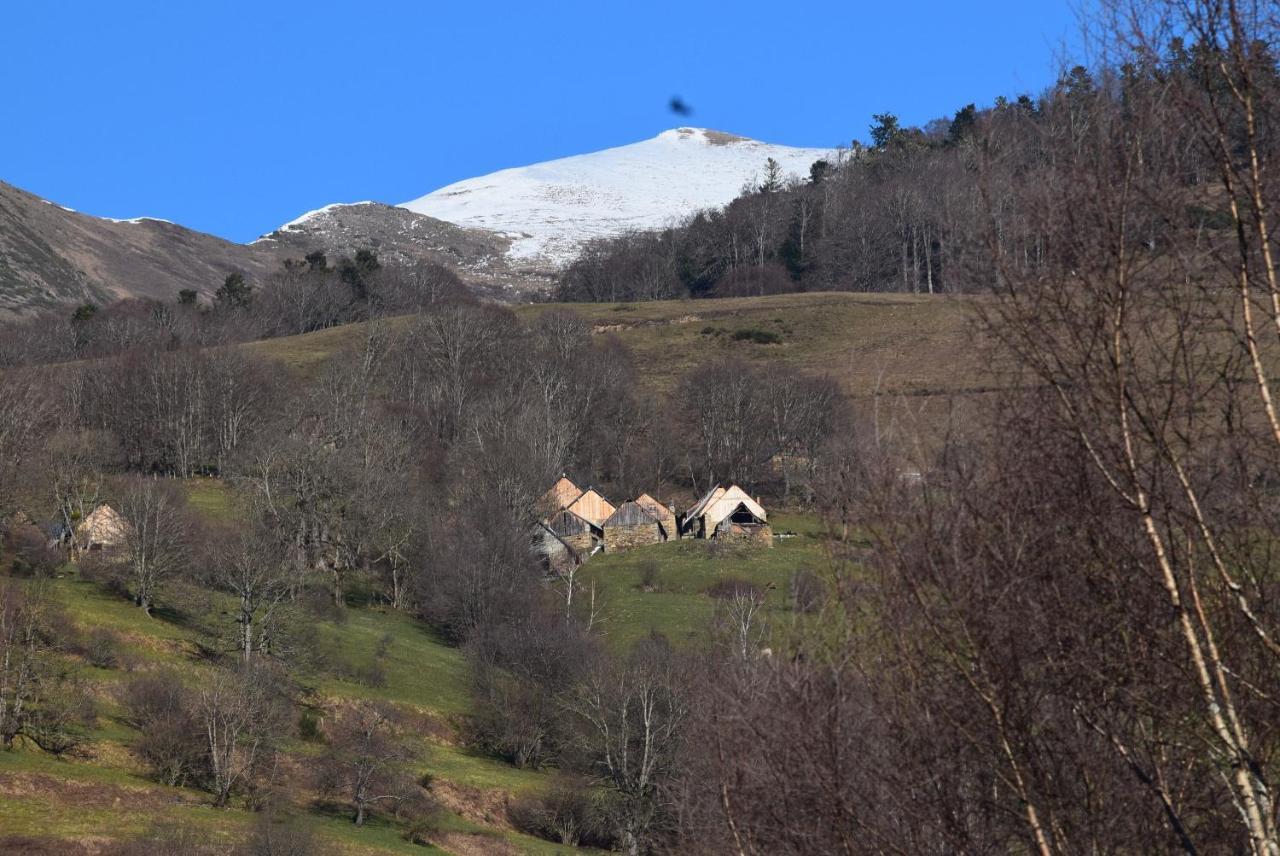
657	509
630	513
592	506
721	502
566	523
561	495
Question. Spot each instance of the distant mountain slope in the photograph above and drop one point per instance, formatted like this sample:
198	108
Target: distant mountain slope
507	233
401	236
551	209
50	255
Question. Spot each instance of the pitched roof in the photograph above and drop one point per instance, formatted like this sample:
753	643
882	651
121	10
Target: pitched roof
548	541
630	514
721	502
104	526
701	505
566	523
592	506
561	495
657	509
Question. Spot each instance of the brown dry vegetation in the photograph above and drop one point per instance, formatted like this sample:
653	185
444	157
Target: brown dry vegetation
916	352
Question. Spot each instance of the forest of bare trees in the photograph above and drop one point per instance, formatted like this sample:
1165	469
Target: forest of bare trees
1062	638
404	472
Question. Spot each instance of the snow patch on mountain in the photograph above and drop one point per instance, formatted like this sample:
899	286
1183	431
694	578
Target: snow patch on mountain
551	209
134	220
300	220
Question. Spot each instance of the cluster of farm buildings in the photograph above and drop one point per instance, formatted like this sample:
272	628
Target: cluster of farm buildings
575	524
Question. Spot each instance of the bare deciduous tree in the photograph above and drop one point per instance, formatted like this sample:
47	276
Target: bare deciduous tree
367	752
631	716
242	717
157	536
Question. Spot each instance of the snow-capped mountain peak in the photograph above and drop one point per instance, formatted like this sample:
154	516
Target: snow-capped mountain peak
551	209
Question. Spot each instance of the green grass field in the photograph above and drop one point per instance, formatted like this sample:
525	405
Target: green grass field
678	606
105	795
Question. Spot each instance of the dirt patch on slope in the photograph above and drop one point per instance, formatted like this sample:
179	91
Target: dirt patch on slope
468	844
84	794
474	804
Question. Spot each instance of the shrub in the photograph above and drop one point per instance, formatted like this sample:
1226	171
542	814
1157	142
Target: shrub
161	707
59	722
105	568
166	838
426	828
755	334
805	591
650	571
319	603
374	675
32	555
729	588
277	835
566	814
102	649
309	725
724	548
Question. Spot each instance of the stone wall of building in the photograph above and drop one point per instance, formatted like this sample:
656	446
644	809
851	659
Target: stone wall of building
582	543
761	535
620	538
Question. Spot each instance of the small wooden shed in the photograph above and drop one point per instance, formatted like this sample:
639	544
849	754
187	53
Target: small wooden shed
631	525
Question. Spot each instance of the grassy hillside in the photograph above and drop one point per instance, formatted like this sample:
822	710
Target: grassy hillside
103	793
891	343
914	346
680	603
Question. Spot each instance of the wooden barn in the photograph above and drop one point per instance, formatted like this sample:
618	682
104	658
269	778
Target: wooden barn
631	525
728	513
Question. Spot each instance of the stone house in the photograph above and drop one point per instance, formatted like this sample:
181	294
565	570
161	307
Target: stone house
102	527
577	533
666	515
631	525
557	555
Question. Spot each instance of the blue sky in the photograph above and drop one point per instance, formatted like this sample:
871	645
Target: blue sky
234	117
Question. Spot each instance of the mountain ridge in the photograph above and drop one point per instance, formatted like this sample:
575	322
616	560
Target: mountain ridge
508	233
